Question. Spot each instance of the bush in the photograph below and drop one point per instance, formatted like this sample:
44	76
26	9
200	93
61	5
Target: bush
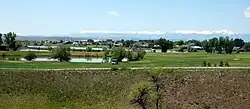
209	64
61	53
114	69
204	63
88	49
142	95
129	55
215	65
3	55
30	56
106	53
141	54
227	65
221	64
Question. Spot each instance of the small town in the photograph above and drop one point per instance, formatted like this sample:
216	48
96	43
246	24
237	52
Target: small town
125	54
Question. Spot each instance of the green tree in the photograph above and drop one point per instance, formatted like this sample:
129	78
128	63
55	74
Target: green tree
61	53
221	64
181	42
10	40
246	47
204	64
213	43
129	55
207	47
1	40
209	64
220	45
106	53
228	46
30	56
227	64
118	53
238	42
141	54
165	44
128	43
18	44
193	42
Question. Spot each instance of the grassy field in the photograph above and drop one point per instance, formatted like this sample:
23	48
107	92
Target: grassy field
150	60
76	89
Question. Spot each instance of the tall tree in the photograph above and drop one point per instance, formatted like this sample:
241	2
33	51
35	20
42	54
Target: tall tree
238	42
214	44
165	44
181	42
220	45
194	42
228	46
246	47
118	53
10	40
1	40
207	47
61	53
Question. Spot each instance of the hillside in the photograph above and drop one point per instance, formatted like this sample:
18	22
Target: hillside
76	89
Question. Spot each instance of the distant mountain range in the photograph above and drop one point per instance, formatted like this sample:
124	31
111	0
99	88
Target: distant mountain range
136	36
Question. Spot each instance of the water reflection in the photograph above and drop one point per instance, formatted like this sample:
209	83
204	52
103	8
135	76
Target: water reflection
86	60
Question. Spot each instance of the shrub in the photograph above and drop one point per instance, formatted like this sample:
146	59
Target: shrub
204	63
227	65
215	65
30	56
221	64
62	53
3	55
142	95
129	55
209	64
88	49
141	54
135	56
114	69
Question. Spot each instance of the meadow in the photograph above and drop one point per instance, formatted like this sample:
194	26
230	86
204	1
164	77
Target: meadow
191	59
105	89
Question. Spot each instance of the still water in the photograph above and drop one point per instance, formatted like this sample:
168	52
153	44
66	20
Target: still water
86	60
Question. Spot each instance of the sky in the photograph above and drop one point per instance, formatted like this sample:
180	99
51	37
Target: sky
62	17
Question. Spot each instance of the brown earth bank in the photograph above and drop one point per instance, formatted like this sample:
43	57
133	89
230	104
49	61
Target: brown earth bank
106	89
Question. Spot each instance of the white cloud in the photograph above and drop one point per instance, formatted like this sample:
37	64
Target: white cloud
114	13
125	32
247	12
226	32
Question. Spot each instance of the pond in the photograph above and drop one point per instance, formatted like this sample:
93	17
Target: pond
86	60
34	50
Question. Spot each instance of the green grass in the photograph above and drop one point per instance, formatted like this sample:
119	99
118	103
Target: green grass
150	60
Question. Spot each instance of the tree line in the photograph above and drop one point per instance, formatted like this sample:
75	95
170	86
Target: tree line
214	45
